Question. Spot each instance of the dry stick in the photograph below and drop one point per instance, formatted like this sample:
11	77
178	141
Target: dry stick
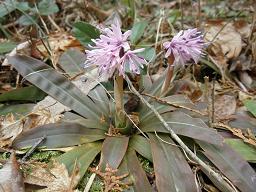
90	181
207	98
182	14
214	174
53	23
213	102
199	14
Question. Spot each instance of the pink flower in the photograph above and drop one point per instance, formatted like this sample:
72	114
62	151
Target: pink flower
133	61
184	46
111	52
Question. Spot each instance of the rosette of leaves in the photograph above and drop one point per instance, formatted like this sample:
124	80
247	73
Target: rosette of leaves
90	128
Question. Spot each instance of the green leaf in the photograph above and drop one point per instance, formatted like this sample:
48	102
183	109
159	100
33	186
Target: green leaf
9	6
130	4
182	124
245	150
171	168
55	84
137	31
113	151
92	123
72	60
123	169
82	156
100	98
251	106
155	88
174	14
142	146
232	165
47	7
138	175
16	110
26	20
84	32
30	93
6	47
149	54
58	135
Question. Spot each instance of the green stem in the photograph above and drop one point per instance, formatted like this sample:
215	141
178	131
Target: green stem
119	101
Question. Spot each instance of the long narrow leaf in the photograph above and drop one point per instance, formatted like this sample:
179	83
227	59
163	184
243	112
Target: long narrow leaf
113	151
171	168
58	135
139	177
53	83
142	146
232	165
185	125
82	156
30	93
100	98
91	123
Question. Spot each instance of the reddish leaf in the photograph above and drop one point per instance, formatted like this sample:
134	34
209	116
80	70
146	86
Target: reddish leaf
139	177
171	168
113	151
183	124
59	135
232	165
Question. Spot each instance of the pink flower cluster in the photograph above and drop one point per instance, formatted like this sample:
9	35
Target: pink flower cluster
185	46
112	52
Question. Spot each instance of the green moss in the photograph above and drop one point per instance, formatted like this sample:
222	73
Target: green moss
146	164
44	156
97	185
5	155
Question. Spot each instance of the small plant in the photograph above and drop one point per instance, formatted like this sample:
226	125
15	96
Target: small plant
101	125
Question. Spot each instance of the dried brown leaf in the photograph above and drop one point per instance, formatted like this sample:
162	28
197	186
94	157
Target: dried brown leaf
54	178
225	105
10	128
11	178
226	39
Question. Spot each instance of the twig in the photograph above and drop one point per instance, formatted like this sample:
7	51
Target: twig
90	181
199	14
159	100
53	23
214	174
208	101
237	132
213	101
158	27
182	14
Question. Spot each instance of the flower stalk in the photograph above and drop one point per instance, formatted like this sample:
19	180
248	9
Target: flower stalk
169	75
119	101
186	46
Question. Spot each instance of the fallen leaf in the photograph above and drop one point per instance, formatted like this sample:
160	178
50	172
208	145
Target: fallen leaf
11	177
54	178
243	27
10	128
225	105
224	38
